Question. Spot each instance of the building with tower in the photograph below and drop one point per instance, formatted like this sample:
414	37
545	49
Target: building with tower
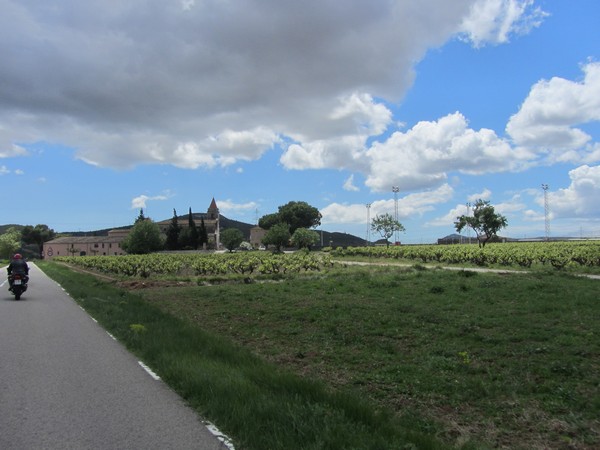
211	224
110	243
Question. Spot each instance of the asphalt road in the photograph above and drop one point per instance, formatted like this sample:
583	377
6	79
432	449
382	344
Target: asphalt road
66	384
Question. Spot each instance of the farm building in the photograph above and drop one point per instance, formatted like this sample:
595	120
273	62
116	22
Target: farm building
86	245
111	244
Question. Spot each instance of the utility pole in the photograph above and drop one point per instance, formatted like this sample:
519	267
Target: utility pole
368	238
469	228
395	190
546	211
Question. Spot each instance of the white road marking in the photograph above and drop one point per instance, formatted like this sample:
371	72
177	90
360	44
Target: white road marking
149	370
220	436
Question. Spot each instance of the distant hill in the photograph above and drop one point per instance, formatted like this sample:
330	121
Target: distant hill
5	228
335	239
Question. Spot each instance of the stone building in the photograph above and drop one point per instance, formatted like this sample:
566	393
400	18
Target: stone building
111	245
211	223
256	236
86	245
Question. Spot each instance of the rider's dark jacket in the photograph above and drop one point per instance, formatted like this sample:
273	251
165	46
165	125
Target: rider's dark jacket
18	266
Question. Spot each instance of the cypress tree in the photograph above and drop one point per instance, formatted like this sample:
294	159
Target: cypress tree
194	237
140	217
173	231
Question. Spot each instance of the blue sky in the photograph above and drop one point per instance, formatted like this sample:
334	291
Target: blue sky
106	109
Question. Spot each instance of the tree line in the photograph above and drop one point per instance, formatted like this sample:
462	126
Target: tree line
15	240
291	225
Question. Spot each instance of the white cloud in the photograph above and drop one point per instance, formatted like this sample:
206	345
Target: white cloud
548	119
142	200
349	184
484	195
12	151
514	207
423	156
349	124
4	170
206	84
230	206
408	206
581	199
494	21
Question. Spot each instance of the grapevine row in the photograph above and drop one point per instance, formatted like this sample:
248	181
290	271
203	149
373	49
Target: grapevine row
558	254
201	264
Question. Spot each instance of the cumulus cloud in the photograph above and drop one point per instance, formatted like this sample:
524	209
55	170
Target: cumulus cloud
494	21
513	206
142	200
410	205
484	195
204	84
230	206
423	156
581	198
549	117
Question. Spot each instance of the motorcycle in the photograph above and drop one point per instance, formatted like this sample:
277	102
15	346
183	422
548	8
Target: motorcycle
18	284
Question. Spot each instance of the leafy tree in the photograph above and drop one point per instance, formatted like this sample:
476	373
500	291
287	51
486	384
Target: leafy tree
37	235
231	238
386	226
295	214
484	221
305	238
299	215
267	221
194	235
143	238
10	241
278	235
172	242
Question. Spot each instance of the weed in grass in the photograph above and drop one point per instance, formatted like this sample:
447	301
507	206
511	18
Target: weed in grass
137	328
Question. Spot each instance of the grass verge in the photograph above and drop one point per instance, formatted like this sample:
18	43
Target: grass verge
259	404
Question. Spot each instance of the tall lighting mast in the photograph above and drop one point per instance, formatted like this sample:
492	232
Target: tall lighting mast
395	190
546	211
468	215
368	239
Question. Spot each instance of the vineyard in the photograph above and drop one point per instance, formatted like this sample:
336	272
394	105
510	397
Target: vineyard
556	254
158	264
560	255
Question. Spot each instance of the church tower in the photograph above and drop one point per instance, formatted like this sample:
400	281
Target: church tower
212	214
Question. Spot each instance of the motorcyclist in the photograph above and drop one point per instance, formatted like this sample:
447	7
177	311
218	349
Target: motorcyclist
17	266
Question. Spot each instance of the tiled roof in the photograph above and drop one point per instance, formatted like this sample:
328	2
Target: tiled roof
84	240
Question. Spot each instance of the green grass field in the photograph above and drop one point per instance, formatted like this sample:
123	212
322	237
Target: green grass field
363	357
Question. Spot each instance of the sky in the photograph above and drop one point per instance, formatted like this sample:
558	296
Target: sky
109	107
